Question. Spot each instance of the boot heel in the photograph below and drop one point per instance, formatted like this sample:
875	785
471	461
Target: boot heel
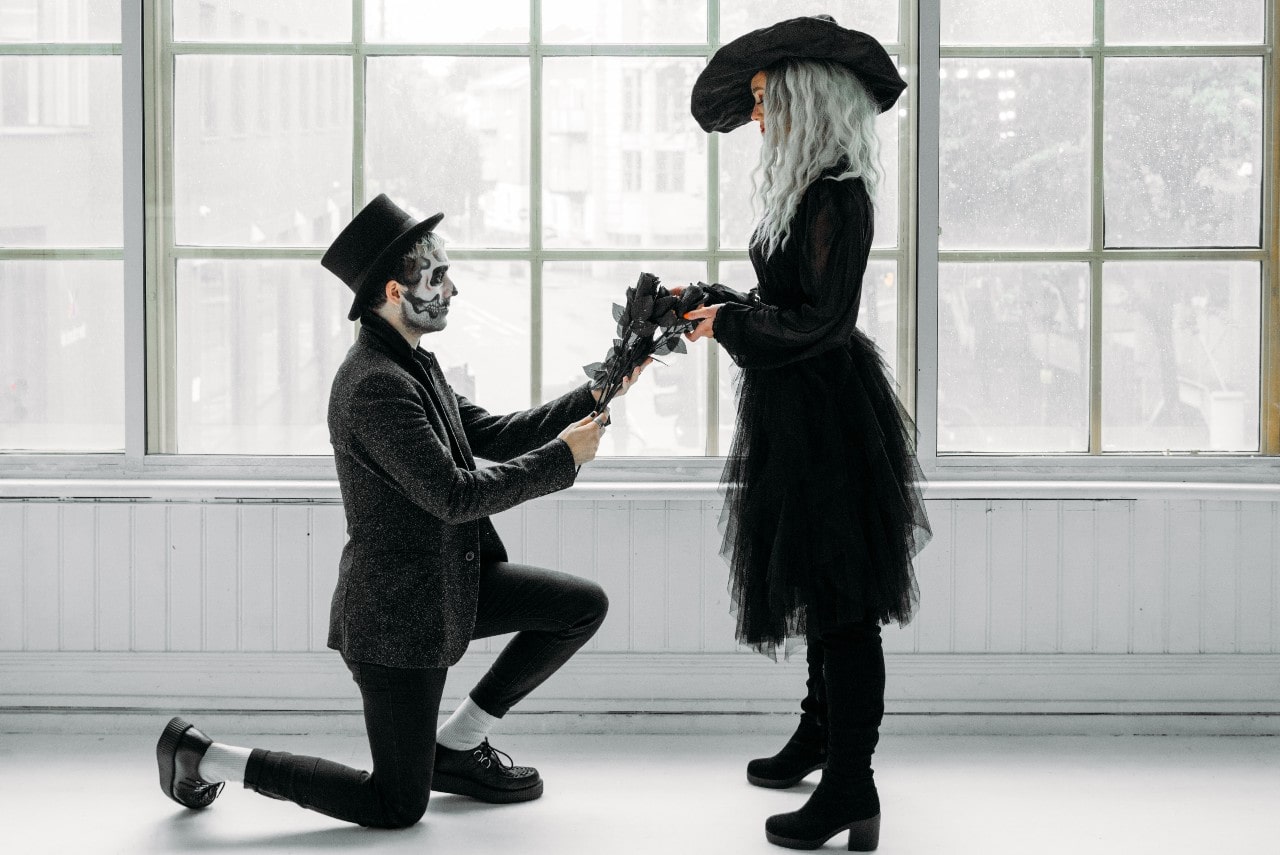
864	835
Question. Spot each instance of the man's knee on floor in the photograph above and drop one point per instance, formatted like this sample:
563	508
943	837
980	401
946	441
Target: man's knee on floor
405	811
595	604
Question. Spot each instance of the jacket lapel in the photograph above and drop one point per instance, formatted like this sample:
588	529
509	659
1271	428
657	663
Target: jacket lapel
385	338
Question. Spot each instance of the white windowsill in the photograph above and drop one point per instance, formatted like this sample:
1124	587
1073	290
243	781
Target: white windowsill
325	491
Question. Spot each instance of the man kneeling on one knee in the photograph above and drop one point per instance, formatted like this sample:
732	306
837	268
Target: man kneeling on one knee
423	571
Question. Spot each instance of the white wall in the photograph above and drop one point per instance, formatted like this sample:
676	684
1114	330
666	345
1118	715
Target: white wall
1138	606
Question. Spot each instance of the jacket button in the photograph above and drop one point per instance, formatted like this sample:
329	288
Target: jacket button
470	556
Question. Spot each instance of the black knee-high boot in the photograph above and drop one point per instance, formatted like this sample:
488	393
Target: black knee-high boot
846	796
806	750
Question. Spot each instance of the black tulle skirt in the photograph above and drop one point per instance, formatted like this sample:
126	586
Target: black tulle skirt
823	510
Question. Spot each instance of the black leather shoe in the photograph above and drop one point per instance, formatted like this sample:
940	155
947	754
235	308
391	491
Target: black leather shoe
484	773
805	752
178	755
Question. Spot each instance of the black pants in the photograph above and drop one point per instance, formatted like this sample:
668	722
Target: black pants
553	614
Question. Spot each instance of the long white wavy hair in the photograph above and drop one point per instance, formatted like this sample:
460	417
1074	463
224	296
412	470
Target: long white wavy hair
816	113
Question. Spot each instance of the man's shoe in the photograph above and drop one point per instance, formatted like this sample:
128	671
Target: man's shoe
178	755
484	773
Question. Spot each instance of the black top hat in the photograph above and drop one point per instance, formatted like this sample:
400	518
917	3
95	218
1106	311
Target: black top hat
377	234
722	98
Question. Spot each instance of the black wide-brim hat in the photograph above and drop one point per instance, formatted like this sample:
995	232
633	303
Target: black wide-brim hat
722	98
375	236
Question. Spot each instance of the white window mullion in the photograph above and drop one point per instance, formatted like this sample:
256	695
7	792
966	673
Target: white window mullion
535	201
132	53
926	216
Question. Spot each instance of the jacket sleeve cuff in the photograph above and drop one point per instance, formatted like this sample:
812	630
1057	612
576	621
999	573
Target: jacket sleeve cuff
584	402
563	470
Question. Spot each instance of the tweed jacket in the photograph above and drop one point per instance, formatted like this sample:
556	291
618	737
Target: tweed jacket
417	507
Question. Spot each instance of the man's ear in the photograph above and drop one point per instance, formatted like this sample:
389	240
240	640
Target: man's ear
391	290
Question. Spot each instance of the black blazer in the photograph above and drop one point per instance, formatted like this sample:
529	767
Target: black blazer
417	507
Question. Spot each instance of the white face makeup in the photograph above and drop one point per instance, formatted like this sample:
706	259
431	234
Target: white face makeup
424	307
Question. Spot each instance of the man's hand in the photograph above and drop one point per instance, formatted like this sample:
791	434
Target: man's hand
583	437
706	317
626	382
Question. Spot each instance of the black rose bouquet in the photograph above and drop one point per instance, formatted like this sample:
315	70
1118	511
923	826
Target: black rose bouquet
649	325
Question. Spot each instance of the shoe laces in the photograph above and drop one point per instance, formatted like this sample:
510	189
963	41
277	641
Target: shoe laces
488	756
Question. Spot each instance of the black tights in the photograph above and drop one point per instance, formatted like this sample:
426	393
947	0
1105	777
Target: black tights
846	694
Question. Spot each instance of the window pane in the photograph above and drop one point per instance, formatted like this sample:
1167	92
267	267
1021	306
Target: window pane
59	21
258	343
1184	152
485	348
435	23
1180	356
1010	22
262	149
60	151
877	17
278	21
1185	22
740	155
877	317
1013	357
596	112
1014	154
632	22
666	414
61	356
452	135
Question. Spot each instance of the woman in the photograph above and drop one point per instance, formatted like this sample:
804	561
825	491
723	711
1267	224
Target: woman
823	513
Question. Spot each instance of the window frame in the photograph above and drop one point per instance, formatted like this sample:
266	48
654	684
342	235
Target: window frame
164	252
1260	465
129	51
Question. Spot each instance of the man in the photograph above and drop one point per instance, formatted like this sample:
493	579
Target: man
423	571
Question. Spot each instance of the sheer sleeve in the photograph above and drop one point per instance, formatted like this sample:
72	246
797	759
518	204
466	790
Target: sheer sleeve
833	228
717	294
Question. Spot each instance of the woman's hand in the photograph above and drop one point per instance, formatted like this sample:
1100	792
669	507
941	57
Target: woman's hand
706	317
626	382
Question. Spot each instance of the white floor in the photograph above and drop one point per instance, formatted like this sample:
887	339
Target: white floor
664	794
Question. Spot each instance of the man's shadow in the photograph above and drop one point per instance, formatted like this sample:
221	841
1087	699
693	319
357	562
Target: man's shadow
187	831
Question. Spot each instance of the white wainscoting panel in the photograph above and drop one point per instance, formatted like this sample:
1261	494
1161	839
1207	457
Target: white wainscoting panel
1000	576
1004	581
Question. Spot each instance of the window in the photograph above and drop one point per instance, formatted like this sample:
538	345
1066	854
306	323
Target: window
61	233
1105	277
1100	282
631	175
669	171
437	109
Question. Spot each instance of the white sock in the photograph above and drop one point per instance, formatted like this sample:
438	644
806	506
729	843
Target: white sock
467	727
224	763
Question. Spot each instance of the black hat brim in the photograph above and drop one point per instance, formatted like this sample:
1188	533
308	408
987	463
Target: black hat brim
399	245
722	99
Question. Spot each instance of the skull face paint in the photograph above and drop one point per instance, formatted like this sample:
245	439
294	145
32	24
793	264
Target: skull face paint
424	307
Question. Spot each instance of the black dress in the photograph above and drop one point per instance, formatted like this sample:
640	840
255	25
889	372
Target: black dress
823	512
